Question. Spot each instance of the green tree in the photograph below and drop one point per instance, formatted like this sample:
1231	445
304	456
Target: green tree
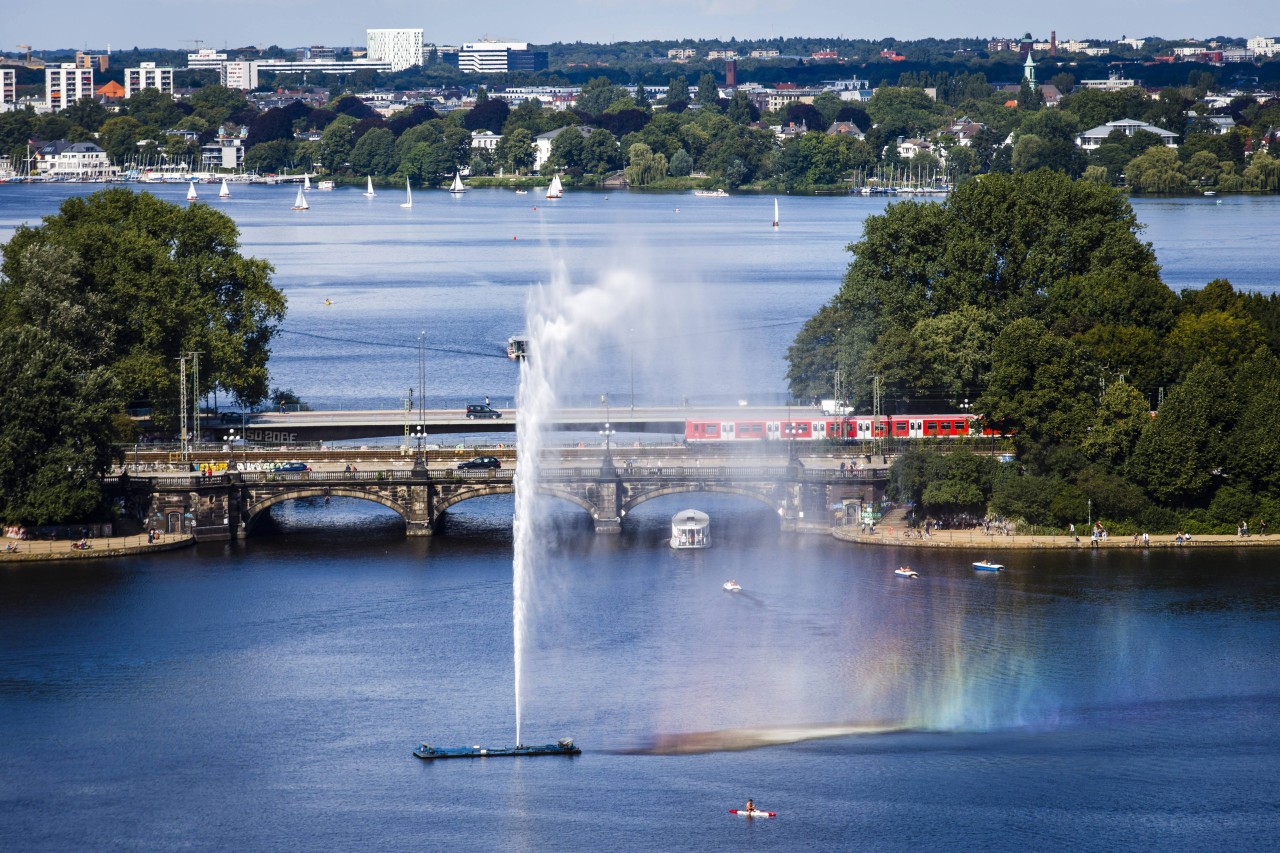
598	94
681	164
678	90
1156	170
600	154
708	96
160	280
644	167
375	153
1117	425
1180	456
336	144
55	428
515	150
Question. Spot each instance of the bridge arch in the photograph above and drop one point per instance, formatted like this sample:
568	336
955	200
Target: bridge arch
635	499
507	488
255	512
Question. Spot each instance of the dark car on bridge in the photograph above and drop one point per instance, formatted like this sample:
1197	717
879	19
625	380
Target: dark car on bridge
482	410
482	462
292	467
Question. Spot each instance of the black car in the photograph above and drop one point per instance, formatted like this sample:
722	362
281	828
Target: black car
482	410
480	462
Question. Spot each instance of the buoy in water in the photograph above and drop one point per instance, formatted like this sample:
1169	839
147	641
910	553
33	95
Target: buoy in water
513	236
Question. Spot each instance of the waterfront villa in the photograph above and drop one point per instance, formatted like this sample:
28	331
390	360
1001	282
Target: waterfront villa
1094	137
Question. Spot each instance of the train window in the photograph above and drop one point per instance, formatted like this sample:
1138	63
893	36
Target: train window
712	429
958	426
930	426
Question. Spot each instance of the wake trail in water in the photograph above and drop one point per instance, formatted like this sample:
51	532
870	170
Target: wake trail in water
737	740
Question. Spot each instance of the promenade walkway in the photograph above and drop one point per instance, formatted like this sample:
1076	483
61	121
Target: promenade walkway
40	550
977	540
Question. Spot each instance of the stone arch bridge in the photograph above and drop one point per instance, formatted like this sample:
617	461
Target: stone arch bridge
228	506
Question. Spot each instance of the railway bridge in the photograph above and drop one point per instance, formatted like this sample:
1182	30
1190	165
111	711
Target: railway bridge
229	505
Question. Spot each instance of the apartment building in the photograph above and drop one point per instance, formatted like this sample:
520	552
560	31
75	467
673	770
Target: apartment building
241	74
8	89
65	84
401	48
682	54
148	76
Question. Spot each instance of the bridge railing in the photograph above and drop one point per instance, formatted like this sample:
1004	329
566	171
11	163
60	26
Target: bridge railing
780	473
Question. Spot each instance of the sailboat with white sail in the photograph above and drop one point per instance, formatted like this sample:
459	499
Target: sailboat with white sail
300	203
224	192
306	183
556	190
408	194
191	191
775	213
369	192
458	188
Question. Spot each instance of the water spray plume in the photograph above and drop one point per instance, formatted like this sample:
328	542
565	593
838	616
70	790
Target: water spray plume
566	327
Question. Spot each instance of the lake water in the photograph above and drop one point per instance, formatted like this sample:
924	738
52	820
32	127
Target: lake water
724	295
266	695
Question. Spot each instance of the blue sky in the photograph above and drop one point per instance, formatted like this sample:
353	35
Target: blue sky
291	23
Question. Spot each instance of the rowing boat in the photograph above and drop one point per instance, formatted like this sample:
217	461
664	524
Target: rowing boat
752	813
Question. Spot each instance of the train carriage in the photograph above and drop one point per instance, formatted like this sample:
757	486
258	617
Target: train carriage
851	427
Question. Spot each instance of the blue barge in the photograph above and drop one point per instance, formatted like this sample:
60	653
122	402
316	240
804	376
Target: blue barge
564	746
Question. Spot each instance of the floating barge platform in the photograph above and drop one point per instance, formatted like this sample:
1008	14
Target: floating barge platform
564	746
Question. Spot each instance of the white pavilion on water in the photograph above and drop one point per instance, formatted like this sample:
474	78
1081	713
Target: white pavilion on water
690	529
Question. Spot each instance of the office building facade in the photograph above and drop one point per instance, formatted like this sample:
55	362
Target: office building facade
401	48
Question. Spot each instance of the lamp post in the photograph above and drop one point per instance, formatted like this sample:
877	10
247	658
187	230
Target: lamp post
420	462
231	449
608	433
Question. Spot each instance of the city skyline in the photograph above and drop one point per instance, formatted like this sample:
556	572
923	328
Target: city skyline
607	21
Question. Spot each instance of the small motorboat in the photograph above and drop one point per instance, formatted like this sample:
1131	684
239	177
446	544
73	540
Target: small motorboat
988	566
906	572
752	813
732	586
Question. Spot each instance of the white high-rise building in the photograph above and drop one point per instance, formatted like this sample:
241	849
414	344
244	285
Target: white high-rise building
241	75
66	84
147	76
402	48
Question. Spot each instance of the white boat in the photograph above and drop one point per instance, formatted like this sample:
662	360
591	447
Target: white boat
711	193
1210	192
732	586
306	182
690	529
326	185
408	194
988	566
224	192
775	213
522	192
906	572
300	203
556	190
457	188
369	192
191	191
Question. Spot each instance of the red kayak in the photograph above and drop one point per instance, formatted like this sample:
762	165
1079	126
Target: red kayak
752	813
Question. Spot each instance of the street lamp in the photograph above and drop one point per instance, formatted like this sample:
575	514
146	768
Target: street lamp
420	463
608	432
231	448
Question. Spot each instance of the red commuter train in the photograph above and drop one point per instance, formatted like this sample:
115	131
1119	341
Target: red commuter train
854	427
